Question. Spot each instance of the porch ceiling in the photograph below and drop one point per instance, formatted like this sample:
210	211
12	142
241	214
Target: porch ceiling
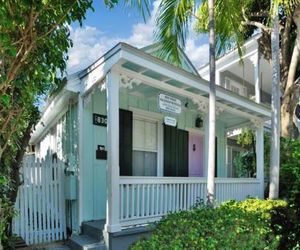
231	113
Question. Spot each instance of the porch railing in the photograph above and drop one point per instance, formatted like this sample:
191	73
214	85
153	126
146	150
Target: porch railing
147	199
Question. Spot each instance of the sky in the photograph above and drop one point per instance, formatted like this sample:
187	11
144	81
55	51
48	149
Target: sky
104	28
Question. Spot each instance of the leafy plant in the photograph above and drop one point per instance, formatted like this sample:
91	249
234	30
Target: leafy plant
245	164
6	211
233	225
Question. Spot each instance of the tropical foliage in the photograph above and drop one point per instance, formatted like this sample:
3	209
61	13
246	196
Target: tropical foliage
250	224
238	20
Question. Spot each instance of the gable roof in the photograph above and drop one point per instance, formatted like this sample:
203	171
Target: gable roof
155	49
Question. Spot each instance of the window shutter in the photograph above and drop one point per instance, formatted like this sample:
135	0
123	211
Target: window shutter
175	152
125	145
170	156
183	152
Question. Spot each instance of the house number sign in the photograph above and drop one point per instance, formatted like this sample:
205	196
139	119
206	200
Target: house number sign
100	120
169	104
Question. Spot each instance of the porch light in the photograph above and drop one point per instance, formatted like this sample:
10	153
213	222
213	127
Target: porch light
199	122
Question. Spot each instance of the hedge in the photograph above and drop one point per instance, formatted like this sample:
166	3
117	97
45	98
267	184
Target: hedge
249	224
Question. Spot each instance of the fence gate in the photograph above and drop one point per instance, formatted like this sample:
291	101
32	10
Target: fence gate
40	202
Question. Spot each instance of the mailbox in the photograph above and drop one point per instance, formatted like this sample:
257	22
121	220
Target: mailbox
101	153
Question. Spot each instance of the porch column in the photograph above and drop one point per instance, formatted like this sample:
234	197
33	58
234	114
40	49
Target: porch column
255	59
260	158
206	125
113	168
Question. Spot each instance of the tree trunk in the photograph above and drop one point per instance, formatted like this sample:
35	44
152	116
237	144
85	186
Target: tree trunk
212	109
14	173
275	109
291	92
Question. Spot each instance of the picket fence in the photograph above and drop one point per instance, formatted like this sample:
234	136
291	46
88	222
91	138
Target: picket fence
40	203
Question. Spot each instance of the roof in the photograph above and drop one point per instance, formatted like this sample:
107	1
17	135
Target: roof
186	64
247	44
155	73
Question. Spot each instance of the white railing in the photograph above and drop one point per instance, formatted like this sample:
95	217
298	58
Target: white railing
147	199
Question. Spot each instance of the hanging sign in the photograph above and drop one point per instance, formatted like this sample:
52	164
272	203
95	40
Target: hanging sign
169	104
170	121
100	120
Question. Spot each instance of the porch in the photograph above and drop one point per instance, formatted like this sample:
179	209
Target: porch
146	176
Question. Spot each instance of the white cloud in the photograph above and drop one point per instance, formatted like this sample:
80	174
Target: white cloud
198	54
90	43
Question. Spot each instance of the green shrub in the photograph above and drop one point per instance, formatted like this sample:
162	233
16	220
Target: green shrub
233	225
6	213
282	218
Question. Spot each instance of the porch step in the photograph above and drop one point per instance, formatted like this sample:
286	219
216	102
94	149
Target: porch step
93	229
85	242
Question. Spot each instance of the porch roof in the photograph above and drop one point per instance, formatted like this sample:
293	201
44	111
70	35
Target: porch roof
154	72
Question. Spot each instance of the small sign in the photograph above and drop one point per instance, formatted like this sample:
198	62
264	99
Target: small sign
170	121
169	104
100	120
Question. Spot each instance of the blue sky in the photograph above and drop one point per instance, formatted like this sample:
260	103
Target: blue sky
104	28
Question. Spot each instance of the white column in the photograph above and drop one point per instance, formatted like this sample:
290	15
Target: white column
113	168
80	157
260	158
206	125
218	78
255	59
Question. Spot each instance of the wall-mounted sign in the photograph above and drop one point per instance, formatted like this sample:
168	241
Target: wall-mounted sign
170	121
169	104
100	120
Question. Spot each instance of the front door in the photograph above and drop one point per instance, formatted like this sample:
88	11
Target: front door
196	155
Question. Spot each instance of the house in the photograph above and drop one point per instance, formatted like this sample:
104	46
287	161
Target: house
250	76
132	131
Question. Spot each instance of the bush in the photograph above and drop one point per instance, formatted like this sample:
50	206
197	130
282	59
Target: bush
281	216
6	213
233	225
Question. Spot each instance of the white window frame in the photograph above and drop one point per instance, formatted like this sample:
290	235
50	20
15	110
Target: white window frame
231	83
157	118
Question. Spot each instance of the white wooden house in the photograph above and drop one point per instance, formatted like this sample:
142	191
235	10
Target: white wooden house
132	130
249	75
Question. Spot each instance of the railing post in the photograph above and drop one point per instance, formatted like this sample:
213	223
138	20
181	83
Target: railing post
260	158
113	169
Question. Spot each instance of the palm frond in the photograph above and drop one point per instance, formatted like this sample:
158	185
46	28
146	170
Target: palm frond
228	23
172	24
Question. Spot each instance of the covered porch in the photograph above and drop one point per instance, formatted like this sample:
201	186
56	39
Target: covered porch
146	176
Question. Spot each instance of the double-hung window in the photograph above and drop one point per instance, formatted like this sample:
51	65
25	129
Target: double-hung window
145	147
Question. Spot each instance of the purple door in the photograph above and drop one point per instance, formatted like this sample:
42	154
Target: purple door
195	155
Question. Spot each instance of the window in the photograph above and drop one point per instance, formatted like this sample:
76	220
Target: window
145	147
235	87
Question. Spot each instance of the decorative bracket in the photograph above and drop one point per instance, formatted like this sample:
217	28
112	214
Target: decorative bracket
127	82
219	110
202	105
256	123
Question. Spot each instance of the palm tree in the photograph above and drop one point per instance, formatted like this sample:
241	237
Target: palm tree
275	107
212	106
173	21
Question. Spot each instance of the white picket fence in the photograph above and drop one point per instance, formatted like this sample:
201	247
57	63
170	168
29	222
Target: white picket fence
40	202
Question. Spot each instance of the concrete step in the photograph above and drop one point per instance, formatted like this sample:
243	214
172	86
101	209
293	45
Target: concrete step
85	242
93	229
